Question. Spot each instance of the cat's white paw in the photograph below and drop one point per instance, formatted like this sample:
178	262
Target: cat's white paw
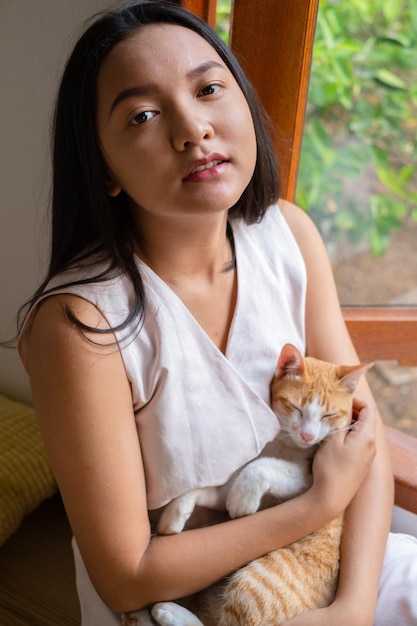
246	493
175	515
172	614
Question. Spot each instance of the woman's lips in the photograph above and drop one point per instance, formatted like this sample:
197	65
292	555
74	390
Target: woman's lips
204	169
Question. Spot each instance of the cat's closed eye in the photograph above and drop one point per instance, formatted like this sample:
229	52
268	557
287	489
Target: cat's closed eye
329	416
294	407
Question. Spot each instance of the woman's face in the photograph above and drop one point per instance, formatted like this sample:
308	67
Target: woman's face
174	127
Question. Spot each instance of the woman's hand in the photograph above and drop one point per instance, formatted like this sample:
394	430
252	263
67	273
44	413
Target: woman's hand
342	461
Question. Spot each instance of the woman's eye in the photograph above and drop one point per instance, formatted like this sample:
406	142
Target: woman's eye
142	117
209	90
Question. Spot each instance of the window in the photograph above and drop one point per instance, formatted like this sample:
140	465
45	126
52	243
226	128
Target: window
358	172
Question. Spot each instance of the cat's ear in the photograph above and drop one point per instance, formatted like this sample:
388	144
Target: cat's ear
350	375
290	362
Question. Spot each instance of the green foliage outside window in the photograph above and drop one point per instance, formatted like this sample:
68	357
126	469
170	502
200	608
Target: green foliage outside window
361	126
362	120
222	18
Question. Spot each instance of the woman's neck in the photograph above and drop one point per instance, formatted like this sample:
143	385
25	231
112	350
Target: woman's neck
200	249
197	262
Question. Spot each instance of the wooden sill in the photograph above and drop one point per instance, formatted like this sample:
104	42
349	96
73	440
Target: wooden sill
384	333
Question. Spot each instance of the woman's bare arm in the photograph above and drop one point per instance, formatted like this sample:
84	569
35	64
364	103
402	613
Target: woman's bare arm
368	517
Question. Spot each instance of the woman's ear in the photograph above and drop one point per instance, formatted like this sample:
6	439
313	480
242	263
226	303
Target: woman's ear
112	186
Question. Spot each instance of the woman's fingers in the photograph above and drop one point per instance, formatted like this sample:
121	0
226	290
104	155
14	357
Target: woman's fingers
363	431
343	460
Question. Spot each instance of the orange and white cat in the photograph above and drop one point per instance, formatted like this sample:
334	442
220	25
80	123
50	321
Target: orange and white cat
312	399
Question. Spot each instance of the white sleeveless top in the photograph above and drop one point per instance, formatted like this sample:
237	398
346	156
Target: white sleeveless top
201	415
192	403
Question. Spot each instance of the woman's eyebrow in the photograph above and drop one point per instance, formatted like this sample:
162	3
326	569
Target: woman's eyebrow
141	90
204	67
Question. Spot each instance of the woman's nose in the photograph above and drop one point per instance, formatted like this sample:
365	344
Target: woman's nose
190	127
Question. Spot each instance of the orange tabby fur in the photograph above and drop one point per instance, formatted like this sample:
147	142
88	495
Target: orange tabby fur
280	585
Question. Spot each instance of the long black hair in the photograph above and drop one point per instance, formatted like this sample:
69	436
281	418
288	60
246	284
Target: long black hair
87	224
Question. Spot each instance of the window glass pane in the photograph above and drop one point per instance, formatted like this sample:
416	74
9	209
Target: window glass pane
358	172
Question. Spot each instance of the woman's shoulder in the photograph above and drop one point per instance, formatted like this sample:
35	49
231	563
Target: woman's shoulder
93	287
49	322
96	298
297	219
279	217
303	229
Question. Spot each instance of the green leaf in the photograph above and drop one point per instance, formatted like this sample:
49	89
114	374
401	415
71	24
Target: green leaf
400	39
392	9
379	157
385	77
379	242
345	220
405	174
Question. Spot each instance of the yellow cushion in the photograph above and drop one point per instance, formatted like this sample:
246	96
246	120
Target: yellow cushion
26	478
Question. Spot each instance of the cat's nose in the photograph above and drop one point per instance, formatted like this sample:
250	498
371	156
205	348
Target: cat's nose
307	436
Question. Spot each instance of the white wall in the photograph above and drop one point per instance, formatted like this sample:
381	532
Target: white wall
35	39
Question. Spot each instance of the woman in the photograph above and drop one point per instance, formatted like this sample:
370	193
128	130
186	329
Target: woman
172	286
